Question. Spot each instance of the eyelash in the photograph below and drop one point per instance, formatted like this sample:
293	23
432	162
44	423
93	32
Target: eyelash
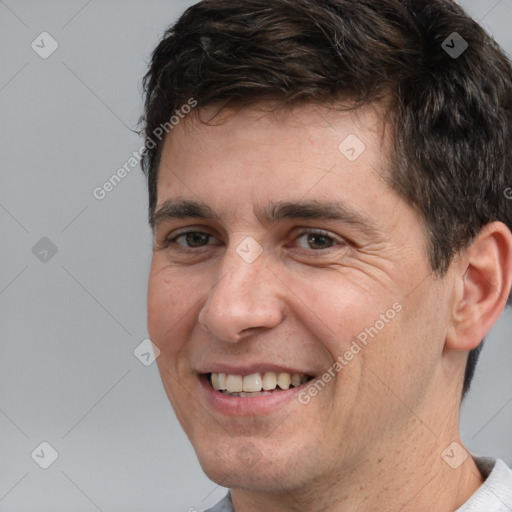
318	232
173	240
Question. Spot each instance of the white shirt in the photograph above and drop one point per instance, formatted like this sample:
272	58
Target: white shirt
495	494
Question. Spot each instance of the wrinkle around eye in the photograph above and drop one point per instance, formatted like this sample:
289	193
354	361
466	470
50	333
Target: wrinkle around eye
373	266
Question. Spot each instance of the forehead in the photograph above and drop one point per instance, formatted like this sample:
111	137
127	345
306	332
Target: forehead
293	125
282	152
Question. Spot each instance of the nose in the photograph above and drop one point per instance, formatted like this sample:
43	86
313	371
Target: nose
245	299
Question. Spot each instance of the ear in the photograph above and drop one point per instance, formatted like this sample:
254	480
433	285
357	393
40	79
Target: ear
483	280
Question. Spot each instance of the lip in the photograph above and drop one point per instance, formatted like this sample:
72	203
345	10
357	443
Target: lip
247	406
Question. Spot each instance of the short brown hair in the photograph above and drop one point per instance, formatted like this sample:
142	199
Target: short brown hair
451	114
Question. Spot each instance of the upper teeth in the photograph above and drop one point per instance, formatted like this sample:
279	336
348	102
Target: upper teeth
255	382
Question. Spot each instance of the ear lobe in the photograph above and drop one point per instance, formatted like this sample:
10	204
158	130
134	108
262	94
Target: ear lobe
485	274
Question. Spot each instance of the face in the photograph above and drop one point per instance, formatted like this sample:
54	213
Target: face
281	254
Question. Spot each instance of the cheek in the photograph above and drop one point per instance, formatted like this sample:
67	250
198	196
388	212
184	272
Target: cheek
169	324
404	354
168	302
159	308
345	308
362	326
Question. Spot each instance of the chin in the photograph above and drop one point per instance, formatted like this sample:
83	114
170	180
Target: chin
250	479
242	465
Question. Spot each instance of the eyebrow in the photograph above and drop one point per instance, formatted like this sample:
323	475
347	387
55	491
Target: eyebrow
311	210
272	213
181	209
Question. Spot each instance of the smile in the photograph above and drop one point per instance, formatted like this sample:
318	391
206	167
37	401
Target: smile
255	384
251	391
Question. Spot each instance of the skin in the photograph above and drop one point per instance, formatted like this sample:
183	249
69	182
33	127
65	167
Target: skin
372	439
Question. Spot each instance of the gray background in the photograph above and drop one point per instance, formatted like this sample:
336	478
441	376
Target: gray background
70	324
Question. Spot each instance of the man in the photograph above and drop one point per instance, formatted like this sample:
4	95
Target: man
328	192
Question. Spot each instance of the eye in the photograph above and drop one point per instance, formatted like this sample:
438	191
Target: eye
192	239
316	240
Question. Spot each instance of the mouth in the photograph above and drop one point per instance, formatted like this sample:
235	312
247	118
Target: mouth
255	384
256	390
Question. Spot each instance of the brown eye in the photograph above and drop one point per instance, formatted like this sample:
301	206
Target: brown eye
315	241
319	241
192	239
197	239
